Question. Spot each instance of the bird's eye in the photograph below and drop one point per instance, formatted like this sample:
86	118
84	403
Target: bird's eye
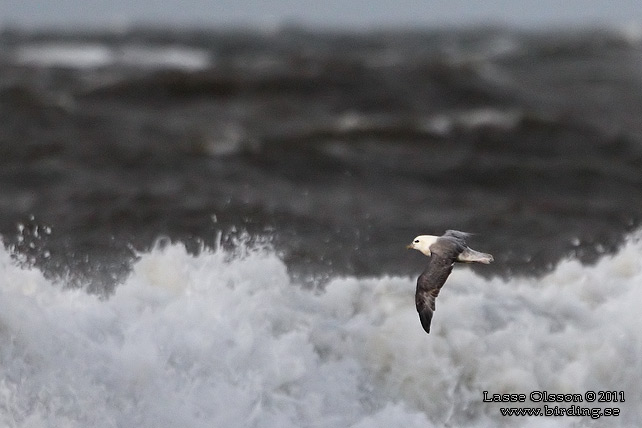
416	241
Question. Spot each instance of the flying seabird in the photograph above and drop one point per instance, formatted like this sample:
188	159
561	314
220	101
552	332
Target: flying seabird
443	252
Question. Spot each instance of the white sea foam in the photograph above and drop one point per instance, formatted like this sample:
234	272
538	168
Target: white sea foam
73	55
96	55
216	341
443	124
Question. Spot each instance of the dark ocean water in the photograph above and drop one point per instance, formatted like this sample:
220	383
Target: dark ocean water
337	147
125	156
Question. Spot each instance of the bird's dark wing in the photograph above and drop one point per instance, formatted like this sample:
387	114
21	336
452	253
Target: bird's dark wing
428	285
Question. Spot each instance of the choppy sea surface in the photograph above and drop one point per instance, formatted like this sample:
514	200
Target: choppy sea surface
208	227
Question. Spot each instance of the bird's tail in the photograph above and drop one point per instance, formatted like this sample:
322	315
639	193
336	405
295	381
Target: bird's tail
471	256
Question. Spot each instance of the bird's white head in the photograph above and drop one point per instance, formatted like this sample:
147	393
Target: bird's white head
422	243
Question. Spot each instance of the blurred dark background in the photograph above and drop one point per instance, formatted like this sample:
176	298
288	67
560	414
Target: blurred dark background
337	145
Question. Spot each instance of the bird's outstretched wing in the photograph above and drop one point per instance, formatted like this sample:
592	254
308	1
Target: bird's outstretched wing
443	252
429	284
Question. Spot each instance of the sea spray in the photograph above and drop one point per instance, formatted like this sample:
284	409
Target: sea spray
220	340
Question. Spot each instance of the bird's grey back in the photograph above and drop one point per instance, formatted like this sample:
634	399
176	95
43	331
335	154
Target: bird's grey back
450	244
456	234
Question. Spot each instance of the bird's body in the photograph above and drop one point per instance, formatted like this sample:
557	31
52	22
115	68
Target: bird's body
443	251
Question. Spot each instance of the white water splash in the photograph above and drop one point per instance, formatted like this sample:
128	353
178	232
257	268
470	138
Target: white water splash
211	341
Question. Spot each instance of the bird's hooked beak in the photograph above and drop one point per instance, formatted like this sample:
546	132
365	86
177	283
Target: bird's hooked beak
410	246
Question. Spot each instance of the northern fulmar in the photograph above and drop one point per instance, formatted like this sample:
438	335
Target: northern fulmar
443	252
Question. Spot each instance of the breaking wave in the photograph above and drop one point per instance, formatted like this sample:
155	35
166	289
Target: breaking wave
219	339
